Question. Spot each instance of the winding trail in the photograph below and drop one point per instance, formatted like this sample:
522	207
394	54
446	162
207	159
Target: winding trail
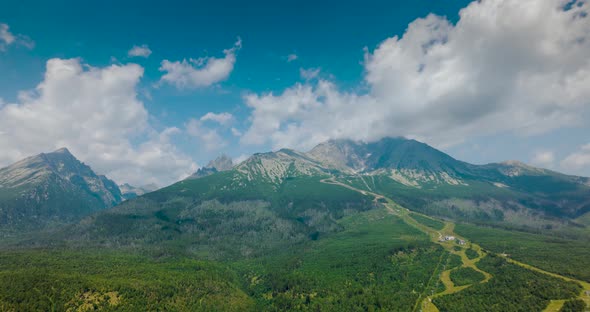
425	301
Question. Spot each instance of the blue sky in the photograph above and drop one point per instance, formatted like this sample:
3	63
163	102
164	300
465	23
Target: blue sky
352	58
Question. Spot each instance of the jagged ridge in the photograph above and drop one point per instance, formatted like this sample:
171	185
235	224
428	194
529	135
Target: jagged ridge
52	188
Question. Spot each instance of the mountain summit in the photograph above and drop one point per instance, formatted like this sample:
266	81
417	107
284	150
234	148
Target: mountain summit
221	163
52	188
407	161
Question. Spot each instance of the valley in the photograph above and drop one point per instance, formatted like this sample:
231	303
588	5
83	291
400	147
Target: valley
339	271
452	247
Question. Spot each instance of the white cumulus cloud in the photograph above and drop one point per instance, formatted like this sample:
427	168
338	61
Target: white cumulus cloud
236	132
517	66
209	137
221	118
7	38
292	57
5	35
309	73
201	72
240	159
140	51
577	160
95	113
543	159
211	129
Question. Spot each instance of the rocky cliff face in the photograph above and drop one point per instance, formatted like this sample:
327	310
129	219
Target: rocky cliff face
221	163
406	161
52	188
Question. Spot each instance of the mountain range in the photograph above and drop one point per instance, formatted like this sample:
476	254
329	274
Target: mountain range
391	225
430	181
283	197
56	188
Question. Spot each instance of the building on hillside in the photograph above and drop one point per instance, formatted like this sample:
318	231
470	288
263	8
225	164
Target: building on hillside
447	238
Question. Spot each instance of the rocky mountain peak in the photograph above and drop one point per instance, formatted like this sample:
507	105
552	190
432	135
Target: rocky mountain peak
63	150
221	163
56	185
345	155
387	153
276	166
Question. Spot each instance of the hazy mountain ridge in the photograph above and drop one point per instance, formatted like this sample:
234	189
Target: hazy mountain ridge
427	179
406	161
413	163
413	173
129	191
52	188
286	191
344	155
221	163
276	166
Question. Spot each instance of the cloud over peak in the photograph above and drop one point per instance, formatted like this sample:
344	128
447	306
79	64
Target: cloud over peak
544	158
210	129
517	66
578	159
96	114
